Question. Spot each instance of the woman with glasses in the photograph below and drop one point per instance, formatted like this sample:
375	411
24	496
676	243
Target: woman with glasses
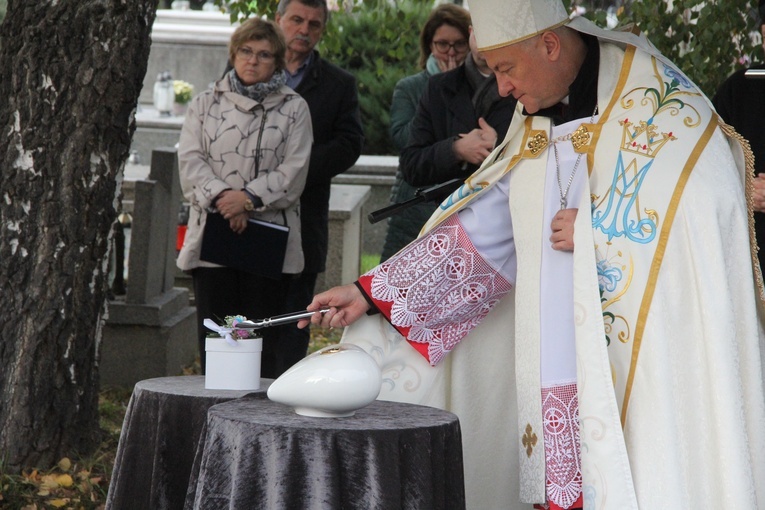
443	46
243	155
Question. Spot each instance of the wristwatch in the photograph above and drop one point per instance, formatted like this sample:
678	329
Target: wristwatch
248	205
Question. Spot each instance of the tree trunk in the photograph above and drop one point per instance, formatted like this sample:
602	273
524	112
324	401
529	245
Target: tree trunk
70	75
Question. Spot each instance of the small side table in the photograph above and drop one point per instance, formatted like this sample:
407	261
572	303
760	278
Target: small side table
163	423
258	454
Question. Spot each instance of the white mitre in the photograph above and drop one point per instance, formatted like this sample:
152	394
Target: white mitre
499	23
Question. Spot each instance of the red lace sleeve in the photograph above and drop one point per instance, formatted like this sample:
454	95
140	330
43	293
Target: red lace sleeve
436	290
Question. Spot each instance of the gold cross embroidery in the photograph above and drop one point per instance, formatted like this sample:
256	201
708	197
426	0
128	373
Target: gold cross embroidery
529	440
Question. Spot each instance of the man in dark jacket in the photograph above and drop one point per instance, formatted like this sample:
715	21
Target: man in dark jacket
459	120
338	138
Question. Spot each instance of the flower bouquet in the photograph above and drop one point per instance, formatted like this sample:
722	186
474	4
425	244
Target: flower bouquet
184	91
228	330
232	357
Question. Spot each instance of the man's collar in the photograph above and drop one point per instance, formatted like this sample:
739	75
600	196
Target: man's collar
304	64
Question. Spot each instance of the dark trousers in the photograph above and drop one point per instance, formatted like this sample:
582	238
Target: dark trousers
223	291
293	342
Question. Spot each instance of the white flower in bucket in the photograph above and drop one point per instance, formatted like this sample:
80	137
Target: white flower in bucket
232	358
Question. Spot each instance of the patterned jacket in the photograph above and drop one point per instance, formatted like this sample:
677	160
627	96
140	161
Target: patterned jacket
230	141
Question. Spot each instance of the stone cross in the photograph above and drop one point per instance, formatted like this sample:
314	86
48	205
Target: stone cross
151	266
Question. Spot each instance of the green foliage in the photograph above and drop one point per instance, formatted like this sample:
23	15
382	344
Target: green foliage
378	43
368	261
242	9
3	8
706	40
323	337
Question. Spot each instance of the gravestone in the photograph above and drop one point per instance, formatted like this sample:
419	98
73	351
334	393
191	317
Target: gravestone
151	332
346	202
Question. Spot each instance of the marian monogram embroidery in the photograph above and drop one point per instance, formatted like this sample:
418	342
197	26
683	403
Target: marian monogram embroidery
461	193
619	213
647	146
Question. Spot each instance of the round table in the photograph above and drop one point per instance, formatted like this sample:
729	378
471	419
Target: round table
258	454
163	423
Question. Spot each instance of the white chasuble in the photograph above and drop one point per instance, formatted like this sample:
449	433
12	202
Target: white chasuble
666	315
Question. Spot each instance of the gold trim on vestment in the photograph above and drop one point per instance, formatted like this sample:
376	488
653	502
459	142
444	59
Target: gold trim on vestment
749	190
594	130
661	247
629	56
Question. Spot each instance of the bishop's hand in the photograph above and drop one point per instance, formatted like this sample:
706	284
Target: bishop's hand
346	305
562	226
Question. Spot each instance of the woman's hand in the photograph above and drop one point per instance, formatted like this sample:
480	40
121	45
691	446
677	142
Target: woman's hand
562	226
230	203
346	304
239	222
449	64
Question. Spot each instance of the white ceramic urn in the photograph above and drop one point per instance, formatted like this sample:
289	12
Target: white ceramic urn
332	382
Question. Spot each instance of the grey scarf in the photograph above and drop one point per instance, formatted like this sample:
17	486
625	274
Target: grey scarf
257	91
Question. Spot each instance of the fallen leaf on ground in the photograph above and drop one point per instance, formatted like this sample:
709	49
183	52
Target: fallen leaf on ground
65	464
64	480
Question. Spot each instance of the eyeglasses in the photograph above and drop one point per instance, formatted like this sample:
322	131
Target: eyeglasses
246	53
445	46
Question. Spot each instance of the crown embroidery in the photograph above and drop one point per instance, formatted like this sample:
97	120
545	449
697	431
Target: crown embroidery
620	213
643	139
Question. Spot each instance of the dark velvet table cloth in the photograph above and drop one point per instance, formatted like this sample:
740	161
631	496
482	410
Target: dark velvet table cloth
163	423
257	454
